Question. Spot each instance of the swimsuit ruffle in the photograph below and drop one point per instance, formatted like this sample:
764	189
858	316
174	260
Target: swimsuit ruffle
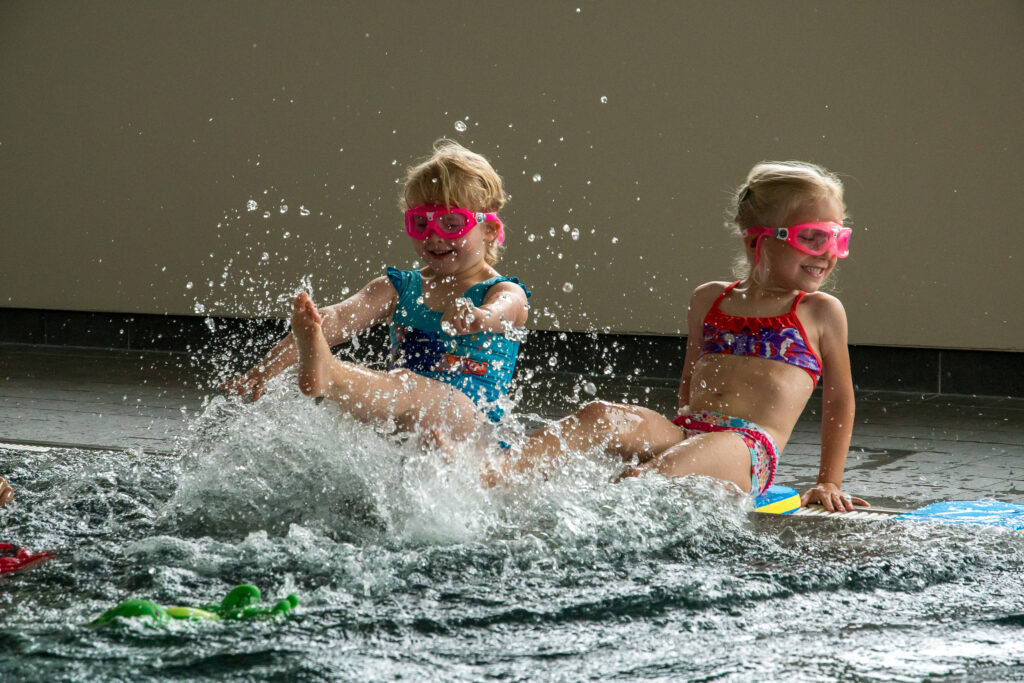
732	323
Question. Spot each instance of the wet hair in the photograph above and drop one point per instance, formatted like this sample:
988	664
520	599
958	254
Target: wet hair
772	191
455	176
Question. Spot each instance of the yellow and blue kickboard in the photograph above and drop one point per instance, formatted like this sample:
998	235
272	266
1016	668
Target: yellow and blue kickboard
783	500
778	500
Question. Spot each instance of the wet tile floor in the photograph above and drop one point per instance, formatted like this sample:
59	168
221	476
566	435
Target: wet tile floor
907	449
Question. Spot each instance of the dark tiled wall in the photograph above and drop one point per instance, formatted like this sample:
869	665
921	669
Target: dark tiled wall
124	331
988	373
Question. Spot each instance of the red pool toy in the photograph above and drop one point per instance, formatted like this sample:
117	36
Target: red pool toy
23	557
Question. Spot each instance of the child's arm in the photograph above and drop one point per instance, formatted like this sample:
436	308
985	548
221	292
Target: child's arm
700	303
369	306
505	305
837	411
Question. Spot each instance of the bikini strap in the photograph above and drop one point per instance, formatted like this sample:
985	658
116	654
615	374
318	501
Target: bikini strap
796	302
725	293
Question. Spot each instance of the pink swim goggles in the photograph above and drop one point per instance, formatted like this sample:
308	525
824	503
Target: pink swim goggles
447	222
810	238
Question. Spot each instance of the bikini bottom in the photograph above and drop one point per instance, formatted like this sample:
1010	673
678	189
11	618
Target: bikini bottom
764	455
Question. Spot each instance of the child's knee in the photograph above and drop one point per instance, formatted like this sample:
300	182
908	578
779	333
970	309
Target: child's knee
598	413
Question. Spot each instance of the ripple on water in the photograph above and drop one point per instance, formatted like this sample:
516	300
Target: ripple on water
405	566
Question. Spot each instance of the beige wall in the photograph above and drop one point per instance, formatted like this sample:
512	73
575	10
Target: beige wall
132	136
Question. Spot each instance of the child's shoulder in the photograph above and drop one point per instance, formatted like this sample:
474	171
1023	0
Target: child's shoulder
501	284
823	306
703	297
709	291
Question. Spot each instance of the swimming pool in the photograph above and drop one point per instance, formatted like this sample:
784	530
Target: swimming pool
406	569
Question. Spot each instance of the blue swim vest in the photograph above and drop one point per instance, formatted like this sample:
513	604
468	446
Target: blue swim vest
479	365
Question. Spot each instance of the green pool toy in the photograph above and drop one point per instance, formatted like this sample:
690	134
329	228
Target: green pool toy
240	604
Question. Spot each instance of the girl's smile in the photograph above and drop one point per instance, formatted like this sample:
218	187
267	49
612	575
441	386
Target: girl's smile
815	271
440	251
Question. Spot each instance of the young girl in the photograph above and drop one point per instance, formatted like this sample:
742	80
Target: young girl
451	356
756	349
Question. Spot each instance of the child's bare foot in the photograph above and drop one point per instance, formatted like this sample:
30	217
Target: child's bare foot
314	353
6	492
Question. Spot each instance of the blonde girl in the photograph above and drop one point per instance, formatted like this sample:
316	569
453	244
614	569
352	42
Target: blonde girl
450	321
756	350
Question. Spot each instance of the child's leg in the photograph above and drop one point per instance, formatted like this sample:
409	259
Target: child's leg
6	492
722	455
433	409
628	431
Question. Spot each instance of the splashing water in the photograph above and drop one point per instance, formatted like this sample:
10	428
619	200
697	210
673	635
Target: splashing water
407	567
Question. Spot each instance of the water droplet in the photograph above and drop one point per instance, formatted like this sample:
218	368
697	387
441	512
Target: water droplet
303	211
188	285
553	361
531	237
566	228
536	177
615	240
284	208
210	324
251	205
604	99
575	234
567	287
551	232
198	308
460	126
589	388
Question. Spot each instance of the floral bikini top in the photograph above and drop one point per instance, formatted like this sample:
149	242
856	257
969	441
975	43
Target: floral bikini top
779	337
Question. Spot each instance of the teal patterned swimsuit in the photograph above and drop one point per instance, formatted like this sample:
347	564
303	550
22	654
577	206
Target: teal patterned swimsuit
479	365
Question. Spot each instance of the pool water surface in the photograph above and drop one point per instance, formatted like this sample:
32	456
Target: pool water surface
406	568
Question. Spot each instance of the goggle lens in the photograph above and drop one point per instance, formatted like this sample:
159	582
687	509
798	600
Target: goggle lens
813	240
843	242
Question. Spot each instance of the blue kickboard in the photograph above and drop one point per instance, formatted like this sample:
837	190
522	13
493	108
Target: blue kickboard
985	512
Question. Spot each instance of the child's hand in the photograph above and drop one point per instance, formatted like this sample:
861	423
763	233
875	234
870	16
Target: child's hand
252	384
464	318
832	499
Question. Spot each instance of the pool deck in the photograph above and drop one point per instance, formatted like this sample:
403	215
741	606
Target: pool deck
907	449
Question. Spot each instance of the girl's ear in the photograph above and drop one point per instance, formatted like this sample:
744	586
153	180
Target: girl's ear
750	241
492	231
